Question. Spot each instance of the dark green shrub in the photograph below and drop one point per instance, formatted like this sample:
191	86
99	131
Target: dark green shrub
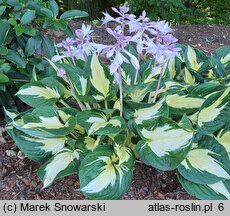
23	39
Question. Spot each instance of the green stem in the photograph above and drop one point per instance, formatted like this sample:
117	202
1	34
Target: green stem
73	136
106	104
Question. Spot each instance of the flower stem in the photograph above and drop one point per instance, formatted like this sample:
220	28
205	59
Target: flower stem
159	82
135	79
121	91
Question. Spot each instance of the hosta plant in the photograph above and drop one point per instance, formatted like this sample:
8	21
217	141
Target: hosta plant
144	97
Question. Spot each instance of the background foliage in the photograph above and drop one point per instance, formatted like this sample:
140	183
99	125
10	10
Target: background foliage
175	11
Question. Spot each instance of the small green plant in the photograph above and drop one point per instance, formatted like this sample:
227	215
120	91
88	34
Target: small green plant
164	104
23	39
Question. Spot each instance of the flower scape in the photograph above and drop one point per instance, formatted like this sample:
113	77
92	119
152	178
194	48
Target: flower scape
145	97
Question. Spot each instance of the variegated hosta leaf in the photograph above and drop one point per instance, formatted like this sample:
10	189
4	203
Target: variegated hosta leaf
194	59
224	139
64	163
96	123
137	93
180	104
148	114
80	81
189	77
10	115
223	54
38	148
105	174
172	87
215	112
89	142
217	69
45	122
47	91
205	89
217	191
206	163
65	113
101	81
173	69
164	145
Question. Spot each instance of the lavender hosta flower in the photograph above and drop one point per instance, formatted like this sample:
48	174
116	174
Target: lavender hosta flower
162	26
67	43
79	47
141	25
117	51
61	73
124	16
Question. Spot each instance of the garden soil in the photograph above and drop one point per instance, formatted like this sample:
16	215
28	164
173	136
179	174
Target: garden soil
17	173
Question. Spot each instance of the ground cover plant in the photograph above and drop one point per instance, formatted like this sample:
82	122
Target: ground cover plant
144	97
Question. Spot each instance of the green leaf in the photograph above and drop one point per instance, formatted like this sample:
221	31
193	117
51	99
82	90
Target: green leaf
47	91
96	123
64	163
215	112
216	191
18	30
164	145
46	12
3	78
28	17
206	163
16	58
32	44
5	27
12	21
2	10
54	7
38	148
71	14
14	3
5	67
29	30
3	50
45	121
6	99
48	46
106	175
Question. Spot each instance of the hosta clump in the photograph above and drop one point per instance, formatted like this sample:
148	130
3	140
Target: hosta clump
167	105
